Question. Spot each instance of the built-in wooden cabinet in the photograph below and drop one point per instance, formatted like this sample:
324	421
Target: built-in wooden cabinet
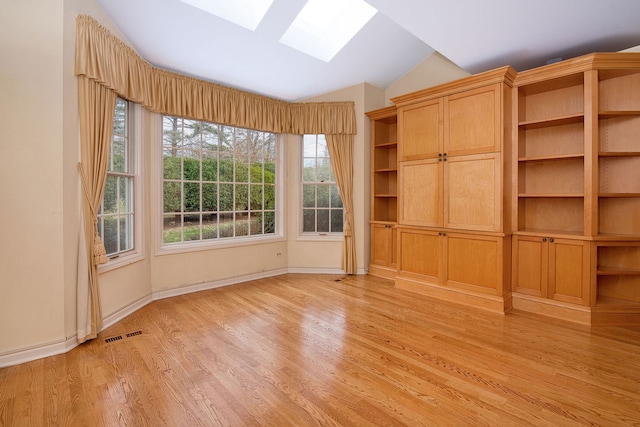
453	157
516	187
578	185
384	191
551	267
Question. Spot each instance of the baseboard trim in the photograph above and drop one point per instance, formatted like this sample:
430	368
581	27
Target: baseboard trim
38	352
117	316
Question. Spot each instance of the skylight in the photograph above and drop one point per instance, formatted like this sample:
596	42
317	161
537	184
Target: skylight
246	13
324	27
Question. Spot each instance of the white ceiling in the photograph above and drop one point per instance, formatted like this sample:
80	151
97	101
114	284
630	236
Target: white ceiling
477	35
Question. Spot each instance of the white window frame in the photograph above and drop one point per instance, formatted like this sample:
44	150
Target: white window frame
308	235
162	248
134	124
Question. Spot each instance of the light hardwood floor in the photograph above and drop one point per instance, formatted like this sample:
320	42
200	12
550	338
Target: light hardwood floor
304	350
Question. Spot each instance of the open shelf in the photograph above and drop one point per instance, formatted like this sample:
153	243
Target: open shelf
555	215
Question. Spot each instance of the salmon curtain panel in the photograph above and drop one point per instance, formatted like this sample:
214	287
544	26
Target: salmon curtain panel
107	67
96	104
341	154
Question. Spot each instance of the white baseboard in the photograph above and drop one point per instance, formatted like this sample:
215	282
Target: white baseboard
63	346
216	284
38	352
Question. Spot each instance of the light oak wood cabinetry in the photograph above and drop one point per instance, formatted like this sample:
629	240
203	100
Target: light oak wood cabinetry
453	155
578	184
384	191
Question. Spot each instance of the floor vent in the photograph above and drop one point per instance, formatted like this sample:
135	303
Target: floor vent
121	337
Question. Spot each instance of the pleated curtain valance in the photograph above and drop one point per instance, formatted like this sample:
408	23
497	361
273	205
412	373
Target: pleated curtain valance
102	57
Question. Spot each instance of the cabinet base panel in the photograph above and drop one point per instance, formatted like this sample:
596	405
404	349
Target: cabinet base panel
591	316
492	303
382	271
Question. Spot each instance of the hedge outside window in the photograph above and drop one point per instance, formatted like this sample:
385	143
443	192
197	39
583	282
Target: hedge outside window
219	182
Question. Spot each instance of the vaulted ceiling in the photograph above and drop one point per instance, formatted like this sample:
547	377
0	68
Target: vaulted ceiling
477	35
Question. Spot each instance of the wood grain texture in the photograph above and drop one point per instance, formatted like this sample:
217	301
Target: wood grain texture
302	350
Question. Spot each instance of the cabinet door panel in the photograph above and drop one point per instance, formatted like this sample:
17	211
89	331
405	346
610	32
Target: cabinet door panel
421	130
420	254
474	262
472	192
472	121
421	193
569	271
380	245
394	248
530	267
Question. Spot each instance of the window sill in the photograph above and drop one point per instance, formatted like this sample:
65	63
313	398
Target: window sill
321	237
120	261
182	247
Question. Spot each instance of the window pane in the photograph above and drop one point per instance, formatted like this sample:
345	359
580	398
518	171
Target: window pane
192	135
227	138
209	167
209	197
255	225
225	228
191	227
336	201
270	197
242	197
110	197
118	154
242	224
309	170
270	172
309	220
120	117
226	197
172	165
192	197
308	196
209	137
322	196
210	226
242	142
171	133
256	174
126	194
126	233
191	166
337	218
323	221
172	197
171	228
324	170
242	170
269	223
309	146
226	168
256	197
110	236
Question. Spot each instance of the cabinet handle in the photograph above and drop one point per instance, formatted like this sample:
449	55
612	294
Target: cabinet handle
544	239
551	239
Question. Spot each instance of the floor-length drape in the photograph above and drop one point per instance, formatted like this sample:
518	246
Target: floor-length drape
341	153
96	105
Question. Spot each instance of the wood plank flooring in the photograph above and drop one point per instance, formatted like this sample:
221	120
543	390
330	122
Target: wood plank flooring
307	350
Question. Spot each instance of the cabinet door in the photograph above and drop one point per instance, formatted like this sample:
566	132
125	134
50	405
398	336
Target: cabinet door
473	121
420	130
472	192
420	195
420	255
474	262
569	271
530	266
380	244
